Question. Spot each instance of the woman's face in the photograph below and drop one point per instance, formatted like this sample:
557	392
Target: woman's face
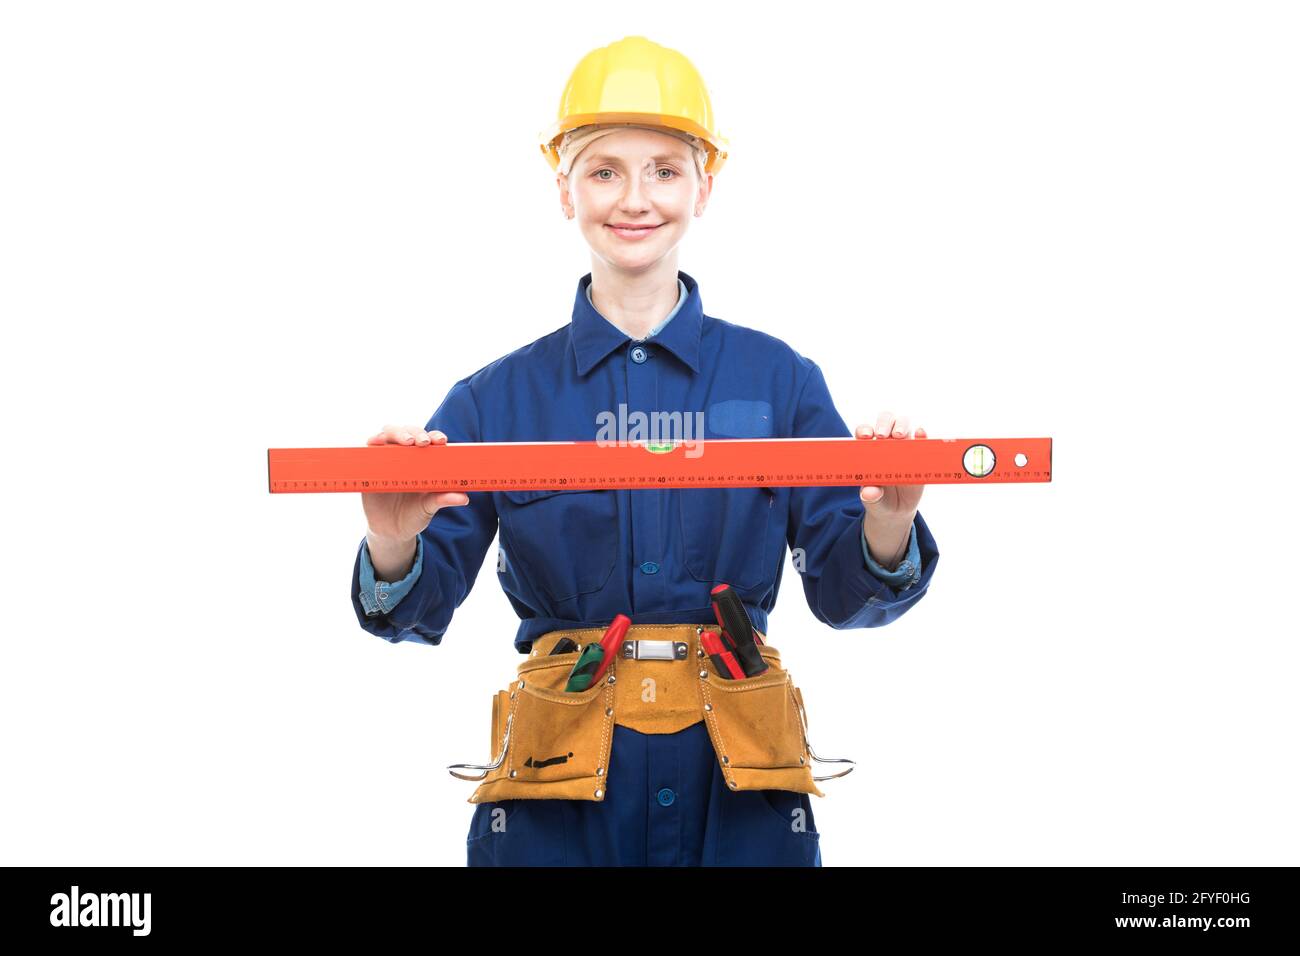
635	177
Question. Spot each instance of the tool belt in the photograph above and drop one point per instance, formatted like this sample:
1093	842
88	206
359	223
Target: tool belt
552	744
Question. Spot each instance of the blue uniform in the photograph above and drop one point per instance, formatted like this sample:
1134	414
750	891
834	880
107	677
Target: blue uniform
576	558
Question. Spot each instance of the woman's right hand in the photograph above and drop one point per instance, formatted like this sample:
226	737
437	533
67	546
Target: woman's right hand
395	517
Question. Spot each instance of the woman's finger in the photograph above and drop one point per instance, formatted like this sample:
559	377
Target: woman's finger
442	499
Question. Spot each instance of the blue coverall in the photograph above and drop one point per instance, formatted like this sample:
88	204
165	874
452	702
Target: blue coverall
576	558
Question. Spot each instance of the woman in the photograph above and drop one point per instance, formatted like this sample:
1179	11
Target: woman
635	154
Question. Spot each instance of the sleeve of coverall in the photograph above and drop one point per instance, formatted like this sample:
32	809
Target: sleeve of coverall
844	587
449	554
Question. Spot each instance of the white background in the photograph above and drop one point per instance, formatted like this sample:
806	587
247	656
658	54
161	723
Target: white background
234	226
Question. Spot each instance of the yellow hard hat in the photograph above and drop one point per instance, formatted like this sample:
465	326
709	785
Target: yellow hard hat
637	81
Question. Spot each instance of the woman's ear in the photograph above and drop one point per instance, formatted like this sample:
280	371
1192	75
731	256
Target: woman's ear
706	190
566	202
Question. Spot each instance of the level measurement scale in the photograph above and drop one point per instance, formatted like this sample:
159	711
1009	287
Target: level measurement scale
707	463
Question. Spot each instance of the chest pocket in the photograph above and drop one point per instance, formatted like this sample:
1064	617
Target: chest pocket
724	534
564	541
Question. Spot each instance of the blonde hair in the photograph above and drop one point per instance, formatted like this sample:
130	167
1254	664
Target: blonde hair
576	140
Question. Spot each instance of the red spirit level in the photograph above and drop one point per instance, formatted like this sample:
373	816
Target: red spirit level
708	463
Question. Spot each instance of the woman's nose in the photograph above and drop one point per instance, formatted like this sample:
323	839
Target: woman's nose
634	195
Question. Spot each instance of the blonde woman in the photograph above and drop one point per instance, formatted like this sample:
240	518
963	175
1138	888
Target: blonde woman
635	154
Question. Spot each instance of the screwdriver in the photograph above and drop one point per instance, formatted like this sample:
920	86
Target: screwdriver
736	625
595	657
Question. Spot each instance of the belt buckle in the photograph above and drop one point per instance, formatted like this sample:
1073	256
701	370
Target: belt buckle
644	650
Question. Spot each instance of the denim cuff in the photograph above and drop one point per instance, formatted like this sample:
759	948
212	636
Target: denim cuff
380	597
908	572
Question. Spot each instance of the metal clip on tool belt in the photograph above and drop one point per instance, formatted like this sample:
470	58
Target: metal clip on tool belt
549	744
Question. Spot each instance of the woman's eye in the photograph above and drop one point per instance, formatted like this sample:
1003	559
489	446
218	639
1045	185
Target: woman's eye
599	174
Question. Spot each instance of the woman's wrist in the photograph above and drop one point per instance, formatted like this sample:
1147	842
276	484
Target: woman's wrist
392	558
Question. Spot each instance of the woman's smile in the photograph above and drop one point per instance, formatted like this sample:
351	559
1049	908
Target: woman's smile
633	233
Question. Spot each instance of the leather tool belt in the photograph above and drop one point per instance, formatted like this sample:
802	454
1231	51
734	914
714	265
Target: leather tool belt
550	744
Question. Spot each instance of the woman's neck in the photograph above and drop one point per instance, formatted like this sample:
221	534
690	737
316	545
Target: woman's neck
634	303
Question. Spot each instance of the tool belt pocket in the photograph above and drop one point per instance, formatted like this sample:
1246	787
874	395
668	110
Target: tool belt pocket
757	726
546	743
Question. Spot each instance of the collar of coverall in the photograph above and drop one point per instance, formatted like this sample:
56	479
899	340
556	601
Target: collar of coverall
593	336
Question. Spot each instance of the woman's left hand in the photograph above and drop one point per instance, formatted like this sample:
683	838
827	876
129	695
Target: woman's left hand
897	503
